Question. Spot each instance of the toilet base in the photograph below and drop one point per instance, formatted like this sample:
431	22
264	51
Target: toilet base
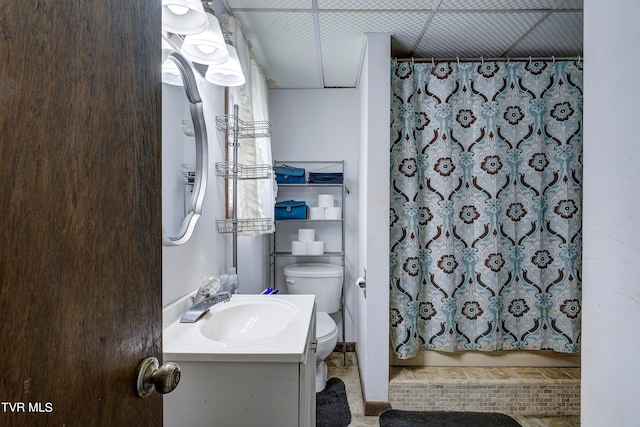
321	376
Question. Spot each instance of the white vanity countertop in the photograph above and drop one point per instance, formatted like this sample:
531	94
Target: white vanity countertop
187	341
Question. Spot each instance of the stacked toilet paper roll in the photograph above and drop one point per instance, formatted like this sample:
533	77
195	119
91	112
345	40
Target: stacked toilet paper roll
326	200
306	234
333	213
315	248
307	243
326	208
316	213
298	248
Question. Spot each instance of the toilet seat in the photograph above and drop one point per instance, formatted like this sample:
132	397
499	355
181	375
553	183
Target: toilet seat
325	326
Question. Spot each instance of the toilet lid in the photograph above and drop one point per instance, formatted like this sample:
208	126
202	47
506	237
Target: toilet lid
325	325
313	270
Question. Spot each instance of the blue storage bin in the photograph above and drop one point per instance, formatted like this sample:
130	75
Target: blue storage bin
290	209
289	175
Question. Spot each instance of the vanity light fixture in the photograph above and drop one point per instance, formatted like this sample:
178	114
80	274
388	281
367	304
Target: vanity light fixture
170	43
183	16
207	47
228	73
170	74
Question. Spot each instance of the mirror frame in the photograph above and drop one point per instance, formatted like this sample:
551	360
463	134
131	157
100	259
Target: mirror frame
202	152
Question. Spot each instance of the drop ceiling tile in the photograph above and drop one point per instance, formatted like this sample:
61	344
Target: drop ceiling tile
572	4
474	34
560	34
283	32
377	4
285	45
496	4
342	38
269	4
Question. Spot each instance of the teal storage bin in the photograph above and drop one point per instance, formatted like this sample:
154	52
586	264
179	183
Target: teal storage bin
290	209
290	175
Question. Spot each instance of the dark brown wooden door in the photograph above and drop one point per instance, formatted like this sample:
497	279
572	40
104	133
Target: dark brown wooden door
80	220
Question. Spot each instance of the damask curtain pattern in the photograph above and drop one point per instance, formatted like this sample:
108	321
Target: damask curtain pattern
486	210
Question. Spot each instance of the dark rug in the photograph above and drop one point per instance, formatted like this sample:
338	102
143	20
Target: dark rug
332	407
398	418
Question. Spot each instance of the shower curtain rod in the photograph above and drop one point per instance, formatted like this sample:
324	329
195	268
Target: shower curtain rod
494	59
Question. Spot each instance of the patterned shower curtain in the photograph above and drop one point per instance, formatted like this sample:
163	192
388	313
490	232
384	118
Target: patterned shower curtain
486	206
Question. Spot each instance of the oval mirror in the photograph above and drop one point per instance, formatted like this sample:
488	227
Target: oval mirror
184	151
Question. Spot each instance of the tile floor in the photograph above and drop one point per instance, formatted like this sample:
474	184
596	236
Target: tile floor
350	375
515	391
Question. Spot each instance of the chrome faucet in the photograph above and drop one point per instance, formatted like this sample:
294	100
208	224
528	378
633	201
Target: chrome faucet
199	309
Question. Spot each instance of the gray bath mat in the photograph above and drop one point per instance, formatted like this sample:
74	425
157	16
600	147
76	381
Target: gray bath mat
332	406
398	418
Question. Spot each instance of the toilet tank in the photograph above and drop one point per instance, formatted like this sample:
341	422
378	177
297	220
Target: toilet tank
322	280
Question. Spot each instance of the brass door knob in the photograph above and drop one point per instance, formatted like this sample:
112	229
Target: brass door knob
151	376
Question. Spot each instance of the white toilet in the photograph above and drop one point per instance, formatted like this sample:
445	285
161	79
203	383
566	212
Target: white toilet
325	282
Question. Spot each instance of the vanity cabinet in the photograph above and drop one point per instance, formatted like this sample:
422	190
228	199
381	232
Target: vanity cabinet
252	390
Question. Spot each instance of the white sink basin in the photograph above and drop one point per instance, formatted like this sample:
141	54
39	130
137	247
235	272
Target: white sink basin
248	320
248	328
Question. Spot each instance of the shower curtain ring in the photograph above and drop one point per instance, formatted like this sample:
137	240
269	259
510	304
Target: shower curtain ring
433	63
458	59
481	60
553	60
529	60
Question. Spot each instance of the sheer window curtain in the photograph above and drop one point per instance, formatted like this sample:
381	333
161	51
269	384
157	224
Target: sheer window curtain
255	196
486	206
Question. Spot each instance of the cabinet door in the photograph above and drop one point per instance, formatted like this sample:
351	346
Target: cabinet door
80	275
308	379
235	394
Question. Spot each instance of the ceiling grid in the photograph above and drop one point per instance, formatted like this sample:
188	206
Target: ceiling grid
319	43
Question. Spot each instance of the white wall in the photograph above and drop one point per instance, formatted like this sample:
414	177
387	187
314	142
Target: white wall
184	267
322	125
362	344
611	260
373	233
253	263
352	124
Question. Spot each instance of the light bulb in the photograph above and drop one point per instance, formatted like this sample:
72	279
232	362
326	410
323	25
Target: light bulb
206	49
178	10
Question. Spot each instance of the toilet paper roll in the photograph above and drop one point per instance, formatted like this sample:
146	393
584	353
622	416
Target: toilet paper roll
298	248
325	200
306	234
316	213
315	248
333	213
